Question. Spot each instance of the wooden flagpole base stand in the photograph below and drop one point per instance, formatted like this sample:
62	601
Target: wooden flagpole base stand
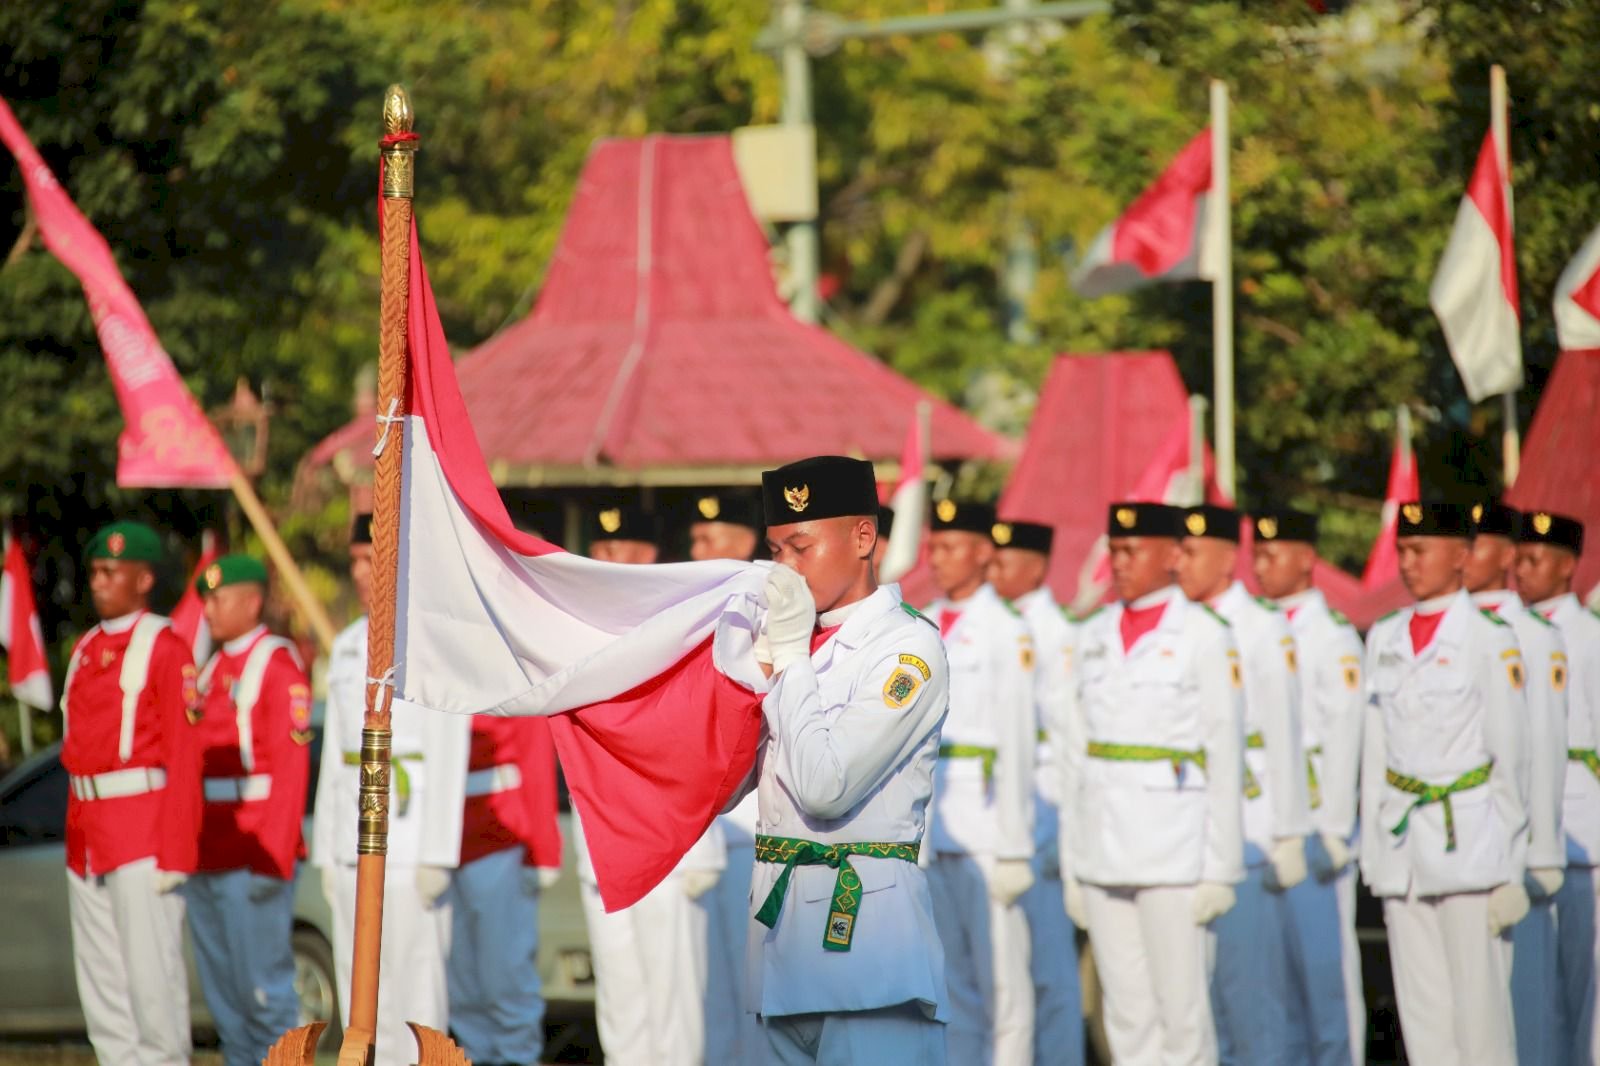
298	1047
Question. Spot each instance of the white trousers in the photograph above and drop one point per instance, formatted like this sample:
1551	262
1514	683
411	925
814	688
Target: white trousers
240	923
1328	1013
1536	987
987	964
411	968
650	977
1155	969
496	1009
1452	980
890	1036
127	950
1057	998
1578	954
733	1033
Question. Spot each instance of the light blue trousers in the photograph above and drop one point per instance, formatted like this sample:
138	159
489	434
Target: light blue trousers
240	923
1251	984
496	1009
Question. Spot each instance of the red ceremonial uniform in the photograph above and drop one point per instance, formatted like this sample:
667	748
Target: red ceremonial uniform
255	782
511	791
109	832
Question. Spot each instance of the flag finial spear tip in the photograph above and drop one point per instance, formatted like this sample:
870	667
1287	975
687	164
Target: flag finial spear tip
397	116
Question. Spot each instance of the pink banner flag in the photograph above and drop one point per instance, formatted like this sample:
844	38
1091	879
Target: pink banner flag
167	441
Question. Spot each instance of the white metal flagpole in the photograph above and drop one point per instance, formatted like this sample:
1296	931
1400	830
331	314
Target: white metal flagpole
1510	436
1221	230
1197	451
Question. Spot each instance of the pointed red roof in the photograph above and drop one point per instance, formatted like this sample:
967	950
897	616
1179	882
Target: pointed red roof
659	347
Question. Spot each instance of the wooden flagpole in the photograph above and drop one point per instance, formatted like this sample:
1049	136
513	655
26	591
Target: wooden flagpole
1510	434
1221	227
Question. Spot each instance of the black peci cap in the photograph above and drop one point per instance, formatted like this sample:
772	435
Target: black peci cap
1433	518
1495	519
1133	518
1025	536
950	516
825	486
736	509
1209	520
1284	524
624	523
885	521
361	530
1546	527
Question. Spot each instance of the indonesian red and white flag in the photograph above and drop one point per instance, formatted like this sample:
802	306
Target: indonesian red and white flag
909	501
1578	299
654	663
1167	234
189	616
166	440
20	632
1383	565
1474	291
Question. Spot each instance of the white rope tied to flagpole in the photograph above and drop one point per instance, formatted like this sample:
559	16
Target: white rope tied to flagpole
387	420
387	680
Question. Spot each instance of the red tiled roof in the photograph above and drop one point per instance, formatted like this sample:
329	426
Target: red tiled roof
659	341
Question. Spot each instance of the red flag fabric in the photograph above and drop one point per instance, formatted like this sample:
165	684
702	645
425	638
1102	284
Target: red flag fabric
1383	565
28	670
189	616
1577	303
166	441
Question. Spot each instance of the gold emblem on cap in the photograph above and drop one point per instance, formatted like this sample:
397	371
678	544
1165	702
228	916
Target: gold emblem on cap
946	510
1126	517
1541	523
116	544
1477	512
213	576
611	519
1001	533
798	499
1267	527
710	508
1195	524
1412	512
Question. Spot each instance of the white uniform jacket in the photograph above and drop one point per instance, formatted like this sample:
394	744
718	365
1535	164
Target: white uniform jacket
1332	702
1156	822
984	804
1433	717
1054	635
1544	659
1580	629
851	739
428	781
1275	805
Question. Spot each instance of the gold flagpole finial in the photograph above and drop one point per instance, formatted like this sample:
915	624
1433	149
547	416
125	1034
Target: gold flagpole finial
399	145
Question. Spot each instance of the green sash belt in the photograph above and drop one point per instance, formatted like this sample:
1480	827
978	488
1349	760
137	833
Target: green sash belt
972	751
402	780
1427	793
1252	787
792	851
1590	757
1146	753
1313	787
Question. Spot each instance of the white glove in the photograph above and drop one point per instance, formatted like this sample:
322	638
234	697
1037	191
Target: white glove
1508	905
1288	864
762	647
536	879
1328	856
1011	878
791	617
1542	882
432	882
1073	896
548	876
697	883
1211	901
168	882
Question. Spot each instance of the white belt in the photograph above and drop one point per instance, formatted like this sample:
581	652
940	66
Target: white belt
502	778
238	789
119	784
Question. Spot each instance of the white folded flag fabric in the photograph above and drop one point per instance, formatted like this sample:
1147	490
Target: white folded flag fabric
1474	291
1167	234
909	502
1578	299
20	632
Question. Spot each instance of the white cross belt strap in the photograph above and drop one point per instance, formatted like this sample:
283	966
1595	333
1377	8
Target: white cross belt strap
238	789
247	689
119	784
502	778
135	672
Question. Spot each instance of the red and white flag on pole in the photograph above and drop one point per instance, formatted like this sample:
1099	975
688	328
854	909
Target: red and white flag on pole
1578	299
1167	234
189	616
909	501
29	671
1383	565
653	662
166	440
1474	291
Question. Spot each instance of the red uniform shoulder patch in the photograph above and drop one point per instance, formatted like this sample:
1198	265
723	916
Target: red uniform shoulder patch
191	694
300	713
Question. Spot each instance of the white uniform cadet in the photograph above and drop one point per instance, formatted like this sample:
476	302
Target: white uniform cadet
429	753
983	816
1058	1009
1578	948
847	970
1323	907
1252	987
1444	823
1535	987
1154	810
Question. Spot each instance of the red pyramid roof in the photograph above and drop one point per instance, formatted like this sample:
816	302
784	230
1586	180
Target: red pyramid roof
659	344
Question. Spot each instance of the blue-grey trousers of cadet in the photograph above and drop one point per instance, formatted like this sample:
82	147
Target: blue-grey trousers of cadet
240	923
1252	980
496	1006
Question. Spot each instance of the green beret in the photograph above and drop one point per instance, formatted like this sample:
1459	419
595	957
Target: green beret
231	570
131	541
